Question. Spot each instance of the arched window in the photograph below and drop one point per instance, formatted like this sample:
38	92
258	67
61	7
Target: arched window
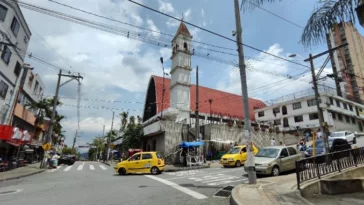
185	46
284	110
285	122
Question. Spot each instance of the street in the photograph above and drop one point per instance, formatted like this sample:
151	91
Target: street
94	183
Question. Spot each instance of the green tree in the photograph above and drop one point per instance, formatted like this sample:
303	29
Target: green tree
124	120
325	14
69	150
99	146
132	134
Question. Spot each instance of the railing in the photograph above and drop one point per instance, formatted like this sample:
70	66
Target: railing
316	167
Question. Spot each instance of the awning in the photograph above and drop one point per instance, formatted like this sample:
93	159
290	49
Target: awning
13	143
190	144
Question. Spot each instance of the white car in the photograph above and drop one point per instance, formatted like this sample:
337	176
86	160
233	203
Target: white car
346	135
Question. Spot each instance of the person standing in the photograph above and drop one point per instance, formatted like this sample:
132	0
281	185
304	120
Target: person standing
273	142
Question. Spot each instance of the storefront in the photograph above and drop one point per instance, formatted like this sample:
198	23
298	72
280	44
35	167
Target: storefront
13	145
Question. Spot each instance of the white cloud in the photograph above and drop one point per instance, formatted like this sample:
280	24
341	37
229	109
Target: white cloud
260	85
153	27
165	7
202	12
187	16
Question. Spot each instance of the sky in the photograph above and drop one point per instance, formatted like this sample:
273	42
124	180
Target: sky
117	69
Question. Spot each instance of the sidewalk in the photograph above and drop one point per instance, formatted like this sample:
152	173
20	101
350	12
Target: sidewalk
25	171
269	191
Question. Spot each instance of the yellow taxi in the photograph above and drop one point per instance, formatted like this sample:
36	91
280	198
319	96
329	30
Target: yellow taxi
236	156
141	162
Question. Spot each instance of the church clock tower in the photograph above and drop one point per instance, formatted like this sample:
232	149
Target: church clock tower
181	73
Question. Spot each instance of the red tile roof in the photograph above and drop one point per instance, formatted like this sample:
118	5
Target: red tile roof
226	104
183	30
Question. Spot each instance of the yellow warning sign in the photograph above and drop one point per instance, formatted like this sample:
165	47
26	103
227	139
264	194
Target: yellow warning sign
47	146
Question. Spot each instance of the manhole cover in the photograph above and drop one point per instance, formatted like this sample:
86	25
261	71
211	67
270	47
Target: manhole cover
8	192
223	193
228	188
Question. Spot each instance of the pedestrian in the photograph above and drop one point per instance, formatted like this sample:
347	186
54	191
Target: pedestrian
231	146
209	155
273	142
236	144
307	136
318	134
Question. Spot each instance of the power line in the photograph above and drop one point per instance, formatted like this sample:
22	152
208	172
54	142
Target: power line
99	108
276	15
131	34
216	34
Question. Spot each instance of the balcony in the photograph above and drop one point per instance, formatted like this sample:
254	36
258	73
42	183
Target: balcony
153	128
24	114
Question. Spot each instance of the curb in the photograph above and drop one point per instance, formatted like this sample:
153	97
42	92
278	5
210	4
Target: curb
186	168
232	198
298	194
25	175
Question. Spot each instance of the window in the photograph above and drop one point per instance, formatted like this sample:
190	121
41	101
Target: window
298	118
15	26
296	106
31	78
36	87
147	156
333	115
243	149
285	122
17	69
284	110
337	103
135	157
261	114
350	107
291	151
331	101
353	120
345	106
313	116
284	153
311	102
347	119
3	89
6	55
277	122
3	12
340	117
276	110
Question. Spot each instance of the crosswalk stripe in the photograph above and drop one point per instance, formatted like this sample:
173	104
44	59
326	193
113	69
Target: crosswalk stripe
67	168
92	167
102	167
79	167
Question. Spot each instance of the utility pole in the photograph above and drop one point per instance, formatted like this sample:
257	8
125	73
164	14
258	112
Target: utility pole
112	124
197	124
164	89
14	96
103	131
75	139
250	165
317	95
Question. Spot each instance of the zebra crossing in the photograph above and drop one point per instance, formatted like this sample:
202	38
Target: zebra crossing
79	167
209	178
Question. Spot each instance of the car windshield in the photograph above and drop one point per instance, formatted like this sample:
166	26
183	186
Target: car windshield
268	153
338	134
235	150
321	143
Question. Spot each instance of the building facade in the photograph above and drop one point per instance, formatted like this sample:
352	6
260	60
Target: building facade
301	114
348	62
14	31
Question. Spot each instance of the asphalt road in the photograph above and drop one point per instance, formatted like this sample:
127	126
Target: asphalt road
92	183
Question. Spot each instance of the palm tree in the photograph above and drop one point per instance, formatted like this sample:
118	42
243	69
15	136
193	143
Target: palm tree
139	119
124	119
324	16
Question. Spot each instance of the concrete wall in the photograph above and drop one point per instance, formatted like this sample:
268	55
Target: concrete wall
173	135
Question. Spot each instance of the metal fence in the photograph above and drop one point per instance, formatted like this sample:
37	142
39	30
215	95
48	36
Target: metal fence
316	167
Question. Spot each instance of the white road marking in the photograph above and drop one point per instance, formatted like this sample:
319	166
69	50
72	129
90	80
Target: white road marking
178	187
200	174
92	167
67	168
53	170
102	167
80	167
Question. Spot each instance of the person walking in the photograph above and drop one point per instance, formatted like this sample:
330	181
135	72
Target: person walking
273	142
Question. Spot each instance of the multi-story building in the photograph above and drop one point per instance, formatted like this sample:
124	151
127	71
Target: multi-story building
301	113
13	31
348	62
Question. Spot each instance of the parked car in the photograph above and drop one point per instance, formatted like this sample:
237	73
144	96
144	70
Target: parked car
276	159
236	156
142	162
346	135
67	159
335	145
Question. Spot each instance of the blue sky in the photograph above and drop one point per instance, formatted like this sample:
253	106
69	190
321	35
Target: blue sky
118	69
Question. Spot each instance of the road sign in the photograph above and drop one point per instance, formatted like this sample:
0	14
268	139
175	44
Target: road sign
112	146
47	147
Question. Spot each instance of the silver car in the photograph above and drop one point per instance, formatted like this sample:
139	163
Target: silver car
276	159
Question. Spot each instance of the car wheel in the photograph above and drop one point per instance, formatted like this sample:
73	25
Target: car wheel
154	170
275	171
354	140
122	171
237	163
